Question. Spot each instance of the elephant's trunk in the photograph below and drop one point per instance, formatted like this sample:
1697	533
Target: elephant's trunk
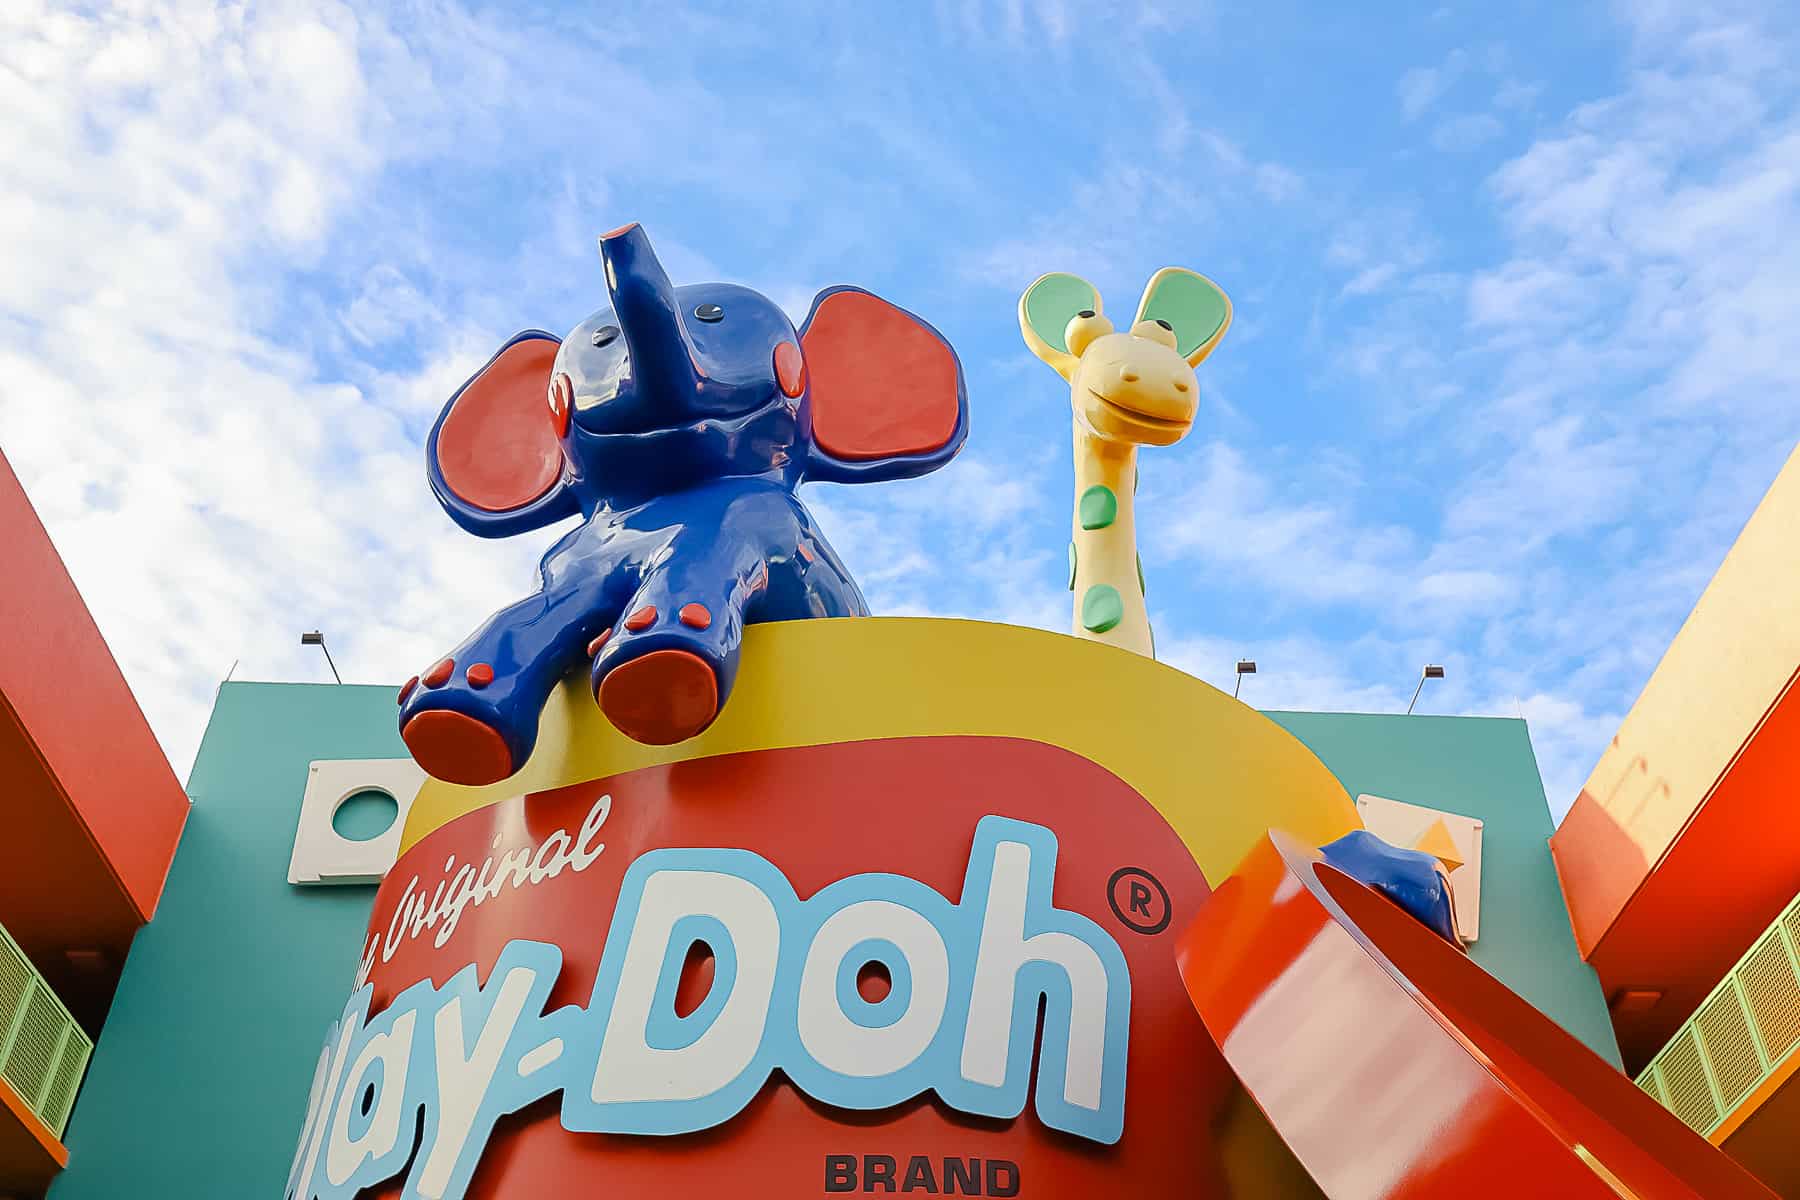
645	301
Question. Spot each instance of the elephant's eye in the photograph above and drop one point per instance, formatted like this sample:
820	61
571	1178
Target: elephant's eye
710	313
604	335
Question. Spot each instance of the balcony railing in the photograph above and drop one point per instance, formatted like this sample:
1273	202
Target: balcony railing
1738	1036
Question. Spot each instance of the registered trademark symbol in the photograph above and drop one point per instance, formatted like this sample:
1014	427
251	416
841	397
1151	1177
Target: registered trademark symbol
1139	900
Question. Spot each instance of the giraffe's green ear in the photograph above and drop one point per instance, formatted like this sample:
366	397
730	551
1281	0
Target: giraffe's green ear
1192	305
1045	311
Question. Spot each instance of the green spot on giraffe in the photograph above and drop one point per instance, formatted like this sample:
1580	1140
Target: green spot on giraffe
1071	566
1101	608
1099	507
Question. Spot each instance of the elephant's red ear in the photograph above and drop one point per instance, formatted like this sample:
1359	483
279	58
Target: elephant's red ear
885	385
496	446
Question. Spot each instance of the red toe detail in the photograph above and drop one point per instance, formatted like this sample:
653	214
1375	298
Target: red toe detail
695	616
407	688
666	696
594	646
642	619
439	675
480	675
457	748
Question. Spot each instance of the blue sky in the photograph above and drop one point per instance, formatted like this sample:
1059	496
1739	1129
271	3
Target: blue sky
1511	366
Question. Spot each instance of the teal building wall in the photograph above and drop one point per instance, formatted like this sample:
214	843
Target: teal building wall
198	1083
1480	767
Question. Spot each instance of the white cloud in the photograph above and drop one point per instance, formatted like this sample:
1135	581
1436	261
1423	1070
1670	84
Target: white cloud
1055	23
1421	87
1383	247
1114	226
1517	95
388	306
1471	590
961	542
1370	279
1466	132
1288	537
1526	292
1232	518
1277	183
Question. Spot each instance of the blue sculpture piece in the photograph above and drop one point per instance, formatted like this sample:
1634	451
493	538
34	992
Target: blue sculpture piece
677	424
1412	879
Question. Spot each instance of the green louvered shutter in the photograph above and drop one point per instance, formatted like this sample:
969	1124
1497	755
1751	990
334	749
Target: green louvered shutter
42	1050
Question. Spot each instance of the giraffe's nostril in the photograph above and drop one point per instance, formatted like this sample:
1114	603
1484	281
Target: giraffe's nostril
1128	375
1181	386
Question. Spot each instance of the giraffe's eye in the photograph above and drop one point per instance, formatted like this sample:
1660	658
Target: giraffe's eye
1083	328
1155	330
710	313
605	335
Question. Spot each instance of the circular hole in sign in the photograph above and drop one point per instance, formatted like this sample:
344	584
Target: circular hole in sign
873	982
696	978
365	815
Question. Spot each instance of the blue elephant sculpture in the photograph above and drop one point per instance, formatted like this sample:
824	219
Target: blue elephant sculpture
677	423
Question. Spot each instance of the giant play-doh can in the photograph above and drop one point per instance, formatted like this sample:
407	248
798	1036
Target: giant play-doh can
902	920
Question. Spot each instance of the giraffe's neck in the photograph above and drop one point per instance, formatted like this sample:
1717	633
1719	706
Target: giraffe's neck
1109	594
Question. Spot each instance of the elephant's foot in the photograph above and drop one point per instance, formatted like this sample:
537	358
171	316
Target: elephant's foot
457	748
659	681
454	728
666	696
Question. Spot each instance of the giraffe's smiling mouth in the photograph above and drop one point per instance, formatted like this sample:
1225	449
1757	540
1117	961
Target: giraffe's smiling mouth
1131	414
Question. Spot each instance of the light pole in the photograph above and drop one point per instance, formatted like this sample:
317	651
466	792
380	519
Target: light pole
1432	671
1245	666
315	638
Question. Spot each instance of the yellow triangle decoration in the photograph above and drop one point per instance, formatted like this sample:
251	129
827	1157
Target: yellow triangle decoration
1437	842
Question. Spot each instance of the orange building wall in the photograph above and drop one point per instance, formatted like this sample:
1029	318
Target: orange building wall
1734	867
1724	670
93	811
1685	840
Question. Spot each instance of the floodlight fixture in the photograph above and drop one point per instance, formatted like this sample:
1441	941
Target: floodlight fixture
315	638
1431	671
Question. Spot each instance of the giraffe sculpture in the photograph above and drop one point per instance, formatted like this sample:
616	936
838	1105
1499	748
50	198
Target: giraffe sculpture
1128	388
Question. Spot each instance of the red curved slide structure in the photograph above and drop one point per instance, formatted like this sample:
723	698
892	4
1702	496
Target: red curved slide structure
1396	1069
